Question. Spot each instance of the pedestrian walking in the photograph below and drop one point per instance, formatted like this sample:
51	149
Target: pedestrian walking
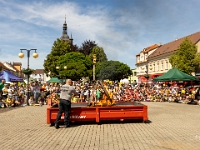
65	103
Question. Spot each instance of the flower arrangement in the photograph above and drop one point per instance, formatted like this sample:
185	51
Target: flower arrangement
28	71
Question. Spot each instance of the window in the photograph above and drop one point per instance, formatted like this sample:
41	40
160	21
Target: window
166	65
135	73
158	66
150	67
145	56
162	65
138	59
154	67
141	58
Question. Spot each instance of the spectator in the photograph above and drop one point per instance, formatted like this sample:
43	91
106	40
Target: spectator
1	88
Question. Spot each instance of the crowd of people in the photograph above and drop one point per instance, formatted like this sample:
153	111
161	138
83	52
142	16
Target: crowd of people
16	95
157	92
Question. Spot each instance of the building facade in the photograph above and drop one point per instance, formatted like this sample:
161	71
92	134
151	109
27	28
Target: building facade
142	62
157	63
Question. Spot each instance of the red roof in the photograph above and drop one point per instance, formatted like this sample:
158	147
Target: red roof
174	45
38	71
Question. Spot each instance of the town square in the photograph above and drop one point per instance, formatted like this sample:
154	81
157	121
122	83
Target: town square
99	75
173	126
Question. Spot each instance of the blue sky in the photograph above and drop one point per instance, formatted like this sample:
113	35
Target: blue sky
122	27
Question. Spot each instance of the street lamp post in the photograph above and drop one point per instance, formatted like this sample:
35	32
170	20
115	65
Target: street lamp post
21	55
94	63
65	68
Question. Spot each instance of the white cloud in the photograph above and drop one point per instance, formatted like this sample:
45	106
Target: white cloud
37	25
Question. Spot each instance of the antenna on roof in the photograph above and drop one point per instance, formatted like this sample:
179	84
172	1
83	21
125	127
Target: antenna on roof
175	37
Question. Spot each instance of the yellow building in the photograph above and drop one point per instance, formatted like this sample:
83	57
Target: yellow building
142	62
158	61
154	60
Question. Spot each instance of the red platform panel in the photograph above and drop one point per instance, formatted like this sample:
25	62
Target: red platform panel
97	114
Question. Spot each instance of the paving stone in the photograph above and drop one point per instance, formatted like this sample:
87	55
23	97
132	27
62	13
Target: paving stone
173	127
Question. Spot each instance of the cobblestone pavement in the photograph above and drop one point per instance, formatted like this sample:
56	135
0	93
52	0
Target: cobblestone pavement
173	127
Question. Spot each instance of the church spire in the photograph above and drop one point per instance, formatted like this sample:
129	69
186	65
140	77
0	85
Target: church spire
65	27
64	36
71	39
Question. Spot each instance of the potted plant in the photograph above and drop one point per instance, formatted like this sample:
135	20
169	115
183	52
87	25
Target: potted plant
27	71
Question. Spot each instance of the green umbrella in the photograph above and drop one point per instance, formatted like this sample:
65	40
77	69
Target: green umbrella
175	75
54	80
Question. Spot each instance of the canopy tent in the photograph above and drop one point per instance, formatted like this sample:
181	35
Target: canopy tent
9	77
175	75
54	80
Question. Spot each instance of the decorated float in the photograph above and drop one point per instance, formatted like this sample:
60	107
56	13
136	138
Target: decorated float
106	109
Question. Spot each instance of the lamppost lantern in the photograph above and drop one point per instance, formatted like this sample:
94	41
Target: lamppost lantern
60	68
65	67
35	55
21	55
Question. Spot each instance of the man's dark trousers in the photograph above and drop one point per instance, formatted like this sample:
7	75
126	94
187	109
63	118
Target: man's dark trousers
64	106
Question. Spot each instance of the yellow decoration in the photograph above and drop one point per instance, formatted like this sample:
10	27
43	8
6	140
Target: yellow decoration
21	55
35	55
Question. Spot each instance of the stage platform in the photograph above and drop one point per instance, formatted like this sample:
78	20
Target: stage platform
121	111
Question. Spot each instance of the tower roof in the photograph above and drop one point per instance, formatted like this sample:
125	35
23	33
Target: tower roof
64	36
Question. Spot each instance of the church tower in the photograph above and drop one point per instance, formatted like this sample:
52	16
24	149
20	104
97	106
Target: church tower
64	36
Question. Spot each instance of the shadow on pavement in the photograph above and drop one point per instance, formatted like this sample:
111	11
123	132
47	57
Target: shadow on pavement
76	124
2	110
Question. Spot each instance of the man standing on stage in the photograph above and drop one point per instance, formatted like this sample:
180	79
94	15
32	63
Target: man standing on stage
65	103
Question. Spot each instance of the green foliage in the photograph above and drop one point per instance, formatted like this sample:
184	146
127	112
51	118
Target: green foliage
27	71
185	57
87	47
197	61
74	48
112	70
100	54
78	66
59	48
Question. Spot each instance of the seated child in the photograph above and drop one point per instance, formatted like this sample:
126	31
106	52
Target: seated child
13	101
2	104
41	100
31	101
8	101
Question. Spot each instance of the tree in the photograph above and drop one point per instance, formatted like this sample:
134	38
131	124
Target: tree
100	54
112	70
78	66
74	48
185	57
87	47
59	48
